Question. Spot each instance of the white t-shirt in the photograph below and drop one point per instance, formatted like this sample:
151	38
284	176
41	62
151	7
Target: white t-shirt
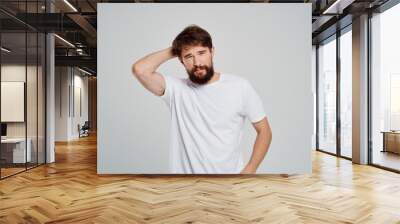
207	123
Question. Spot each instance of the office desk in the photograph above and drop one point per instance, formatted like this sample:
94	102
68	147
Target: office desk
391	141
13	150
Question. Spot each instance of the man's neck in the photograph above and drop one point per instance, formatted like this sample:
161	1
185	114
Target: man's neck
215	78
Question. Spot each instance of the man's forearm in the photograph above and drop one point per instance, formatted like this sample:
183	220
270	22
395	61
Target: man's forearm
151	62
260	148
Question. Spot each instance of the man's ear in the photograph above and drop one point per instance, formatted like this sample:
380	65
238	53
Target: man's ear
212	51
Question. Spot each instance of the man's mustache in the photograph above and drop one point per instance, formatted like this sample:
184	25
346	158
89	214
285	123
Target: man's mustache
200	67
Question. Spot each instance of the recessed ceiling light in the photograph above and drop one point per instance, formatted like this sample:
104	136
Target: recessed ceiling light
337	7
64	40
70	5
5	49
84	71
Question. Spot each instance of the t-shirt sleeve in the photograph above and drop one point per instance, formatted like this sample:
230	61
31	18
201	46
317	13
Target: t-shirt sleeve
170	89
252	104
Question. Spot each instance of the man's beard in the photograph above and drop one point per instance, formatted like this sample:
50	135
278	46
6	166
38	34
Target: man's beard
204	78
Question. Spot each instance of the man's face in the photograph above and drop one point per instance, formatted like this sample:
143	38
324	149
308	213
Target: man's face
198	63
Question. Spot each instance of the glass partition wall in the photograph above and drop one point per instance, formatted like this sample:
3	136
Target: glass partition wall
22	77
13	90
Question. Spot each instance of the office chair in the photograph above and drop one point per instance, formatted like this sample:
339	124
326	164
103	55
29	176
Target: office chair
84	130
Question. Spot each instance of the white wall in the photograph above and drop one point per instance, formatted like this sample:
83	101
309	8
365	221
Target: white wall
68	81
61	103
255	41
80	84
15	73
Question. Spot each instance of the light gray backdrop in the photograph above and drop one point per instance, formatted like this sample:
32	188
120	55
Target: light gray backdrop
269	44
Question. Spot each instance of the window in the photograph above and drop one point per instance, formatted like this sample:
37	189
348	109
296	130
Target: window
327	96
346	93
385	89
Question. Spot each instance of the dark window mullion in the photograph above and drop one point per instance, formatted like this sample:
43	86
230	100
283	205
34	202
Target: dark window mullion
369	90
26	87
317	95
338	92
44	72
37	90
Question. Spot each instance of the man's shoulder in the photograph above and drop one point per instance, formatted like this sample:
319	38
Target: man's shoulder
234	78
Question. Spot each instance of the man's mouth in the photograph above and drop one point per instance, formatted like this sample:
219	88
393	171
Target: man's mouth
199	69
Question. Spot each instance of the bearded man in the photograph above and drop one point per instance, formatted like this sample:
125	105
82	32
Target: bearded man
208	109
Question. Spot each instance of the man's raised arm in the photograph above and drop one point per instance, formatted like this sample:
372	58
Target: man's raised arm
145	70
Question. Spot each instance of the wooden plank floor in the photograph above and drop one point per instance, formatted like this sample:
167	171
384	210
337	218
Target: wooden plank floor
70	191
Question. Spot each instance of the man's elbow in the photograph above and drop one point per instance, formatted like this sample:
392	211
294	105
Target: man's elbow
137	70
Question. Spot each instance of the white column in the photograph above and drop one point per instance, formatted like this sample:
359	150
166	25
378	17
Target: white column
360	90
50	100
50	92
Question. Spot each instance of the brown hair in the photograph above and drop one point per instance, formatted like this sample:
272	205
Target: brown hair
191	36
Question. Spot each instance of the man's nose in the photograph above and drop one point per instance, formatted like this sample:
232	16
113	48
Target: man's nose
196	61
